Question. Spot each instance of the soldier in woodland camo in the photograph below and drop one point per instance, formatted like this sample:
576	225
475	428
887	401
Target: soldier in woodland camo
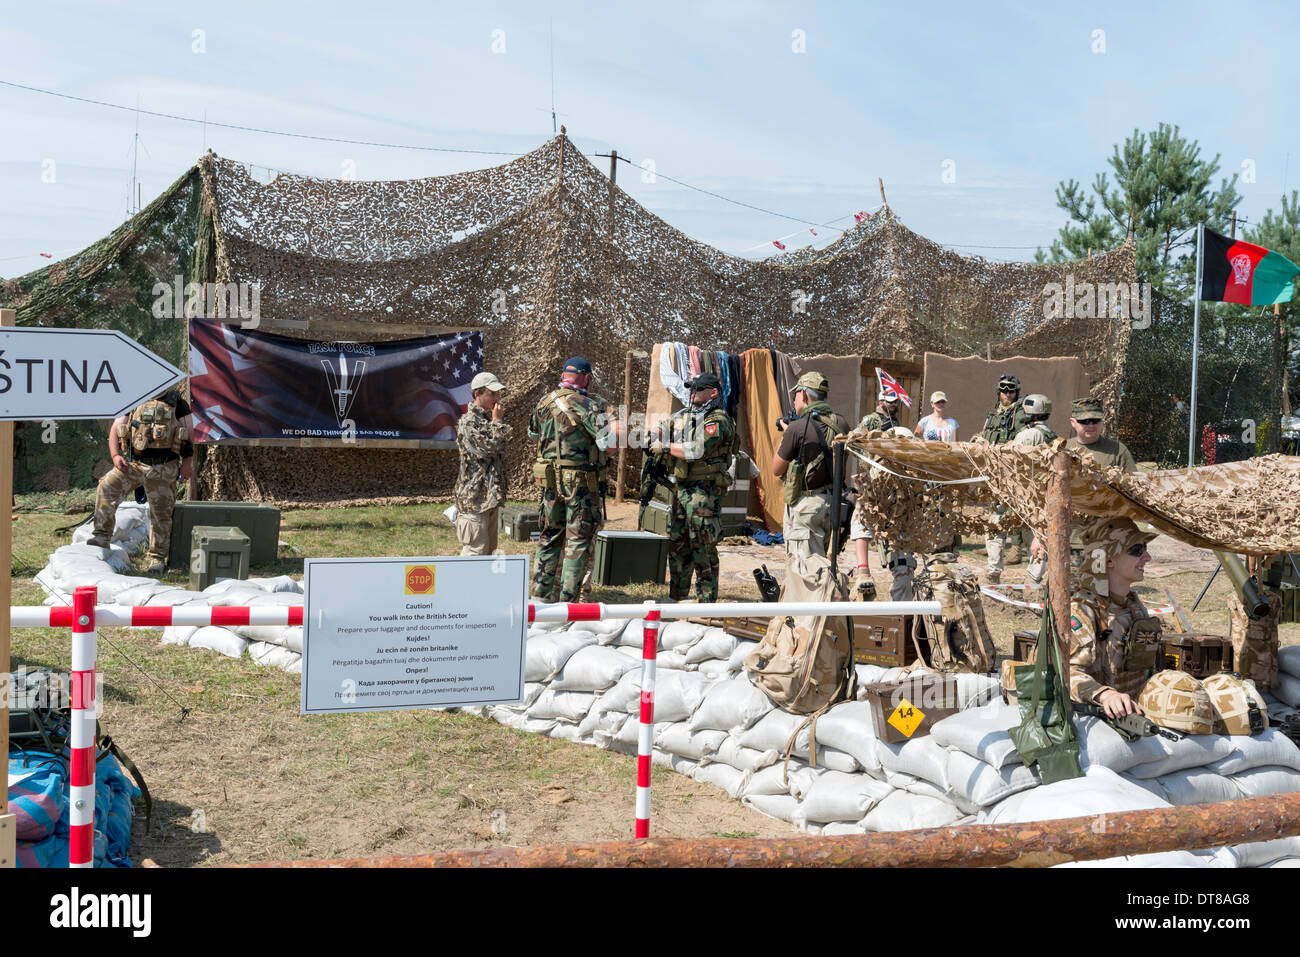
483	439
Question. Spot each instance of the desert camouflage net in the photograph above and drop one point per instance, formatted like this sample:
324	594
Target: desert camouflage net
1251	507
549	259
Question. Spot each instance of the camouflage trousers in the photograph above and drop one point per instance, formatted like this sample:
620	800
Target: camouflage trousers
568	526
693	532
159	483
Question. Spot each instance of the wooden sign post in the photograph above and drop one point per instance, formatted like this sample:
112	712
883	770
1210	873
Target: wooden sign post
8	849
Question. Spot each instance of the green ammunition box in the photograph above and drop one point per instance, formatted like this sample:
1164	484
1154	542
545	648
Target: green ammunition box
217	554
625	557
520	522
261	523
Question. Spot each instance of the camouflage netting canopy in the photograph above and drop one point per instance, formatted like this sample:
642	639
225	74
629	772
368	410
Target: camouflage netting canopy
548	259
1250	507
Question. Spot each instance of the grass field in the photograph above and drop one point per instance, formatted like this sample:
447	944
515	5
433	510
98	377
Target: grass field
238	775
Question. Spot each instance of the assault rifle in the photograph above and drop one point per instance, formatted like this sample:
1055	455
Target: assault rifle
654	472
1130	726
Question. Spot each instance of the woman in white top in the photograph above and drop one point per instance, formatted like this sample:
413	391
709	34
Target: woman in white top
936	427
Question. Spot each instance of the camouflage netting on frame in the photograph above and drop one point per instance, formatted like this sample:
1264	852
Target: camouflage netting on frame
1251	507
549	259
107	286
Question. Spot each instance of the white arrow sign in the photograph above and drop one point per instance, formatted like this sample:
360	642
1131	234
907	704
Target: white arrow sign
76	373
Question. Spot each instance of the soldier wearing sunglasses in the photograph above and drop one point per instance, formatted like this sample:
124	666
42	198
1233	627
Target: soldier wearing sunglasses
1114	642
1086	417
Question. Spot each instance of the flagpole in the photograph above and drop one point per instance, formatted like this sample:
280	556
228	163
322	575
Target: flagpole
1196	345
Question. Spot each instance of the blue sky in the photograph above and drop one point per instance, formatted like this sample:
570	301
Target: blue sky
714	94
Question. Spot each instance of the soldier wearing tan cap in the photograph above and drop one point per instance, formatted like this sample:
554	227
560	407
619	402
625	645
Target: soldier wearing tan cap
482	437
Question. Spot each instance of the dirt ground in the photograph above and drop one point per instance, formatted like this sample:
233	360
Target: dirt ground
238	775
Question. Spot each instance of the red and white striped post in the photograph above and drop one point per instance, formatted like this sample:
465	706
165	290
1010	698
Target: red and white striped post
81	831
646	737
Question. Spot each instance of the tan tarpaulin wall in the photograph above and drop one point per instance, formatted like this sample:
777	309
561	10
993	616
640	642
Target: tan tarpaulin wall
972	387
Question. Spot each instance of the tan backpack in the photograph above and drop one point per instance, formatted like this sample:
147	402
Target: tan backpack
960	642
805	663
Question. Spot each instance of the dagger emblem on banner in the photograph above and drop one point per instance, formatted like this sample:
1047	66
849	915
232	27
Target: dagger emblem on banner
344	383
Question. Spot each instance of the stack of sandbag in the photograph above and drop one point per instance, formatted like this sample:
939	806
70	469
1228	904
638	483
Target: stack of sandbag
79	565
711	723
1288	676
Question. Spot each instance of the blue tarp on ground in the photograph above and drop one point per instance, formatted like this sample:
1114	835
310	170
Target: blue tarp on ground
38	796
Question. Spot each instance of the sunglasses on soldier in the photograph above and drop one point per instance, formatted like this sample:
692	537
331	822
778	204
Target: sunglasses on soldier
1137	550
1088	421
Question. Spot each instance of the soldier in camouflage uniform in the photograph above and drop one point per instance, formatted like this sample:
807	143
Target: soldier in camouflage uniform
1006	420
701	442
1086	419
1108	665
483	439
900	565
572	438
149	447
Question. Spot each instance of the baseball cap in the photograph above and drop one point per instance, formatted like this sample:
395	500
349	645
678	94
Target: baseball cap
812	380
705	380
578	365
938	396
1086	408
486	380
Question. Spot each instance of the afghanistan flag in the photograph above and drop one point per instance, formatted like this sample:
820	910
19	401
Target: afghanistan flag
1250	275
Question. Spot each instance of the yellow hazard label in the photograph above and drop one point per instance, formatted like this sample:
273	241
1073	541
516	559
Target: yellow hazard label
907	718
1171	661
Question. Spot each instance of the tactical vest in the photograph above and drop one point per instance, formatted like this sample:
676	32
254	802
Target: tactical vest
562	406
1000	426
1045	429
153	427
716	468
823	417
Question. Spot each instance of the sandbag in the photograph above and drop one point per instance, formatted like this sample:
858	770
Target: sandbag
1266	852
607	632
1100	745
222	640
736	661
594	668
566	731
137	594
731	753
1261	782
536	725
1287	688
678	738
598	719
1253	751
773	731
178	634
1192	786
843	829
714	669
1099	791
272	656
920	757
847	727
1190	751
981	733
836	796
905	812
733	705
980	785
570	706
677	694
768	780
779	806
800	778
546	654
720	775
713	644
679	635
1288	660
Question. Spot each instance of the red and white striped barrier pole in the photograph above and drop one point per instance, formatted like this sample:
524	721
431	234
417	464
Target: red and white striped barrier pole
81	830
646	737
157	616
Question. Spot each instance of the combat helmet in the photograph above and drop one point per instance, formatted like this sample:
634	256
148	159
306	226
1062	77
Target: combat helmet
1177	700
1238	707
1037	404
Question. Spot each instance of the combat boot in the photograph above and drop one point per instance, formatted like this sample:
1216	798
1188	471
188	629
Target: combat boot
991	578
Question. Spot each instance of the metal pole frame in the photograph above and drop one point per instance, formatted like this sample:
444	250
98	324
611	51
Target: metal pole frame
1196	346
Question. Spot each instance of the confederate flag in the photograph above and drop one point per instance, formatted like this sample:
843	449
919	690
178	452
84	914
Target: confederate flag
1240	272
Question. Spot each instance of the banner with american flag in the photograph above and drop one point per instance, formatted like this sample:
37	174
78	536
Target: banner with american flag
253	385
887	381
